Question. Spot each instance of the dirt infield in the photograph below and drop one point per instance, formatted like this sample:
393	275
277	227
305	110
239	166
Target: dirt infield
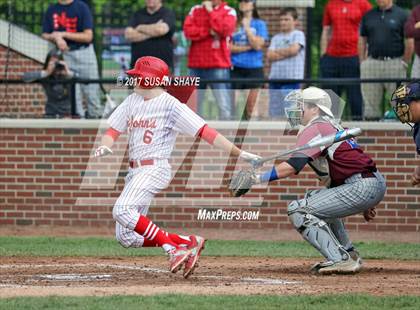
216	275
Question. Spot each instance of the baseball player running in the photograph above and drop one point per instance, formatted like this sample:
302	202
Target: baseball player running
353	183
406	103
153	118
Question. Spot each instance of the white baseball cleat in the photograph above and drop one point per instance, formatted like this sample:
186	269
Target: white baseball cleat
348	266
355	255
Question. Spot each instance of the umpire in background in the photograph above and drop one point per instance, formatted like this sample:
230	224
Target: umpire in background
406	103
150	32
383	53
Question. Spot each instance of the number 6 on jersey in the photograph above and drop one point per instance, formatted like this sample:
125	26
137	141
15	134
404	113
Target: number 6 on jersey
147	137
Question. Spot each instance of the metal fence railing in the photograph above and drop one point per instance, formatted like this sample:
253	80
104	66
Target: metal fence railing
112	53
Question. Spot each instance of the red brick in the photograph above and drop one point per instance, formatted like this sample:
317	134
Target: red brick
42	222
7	221
61	222
407	228
70	215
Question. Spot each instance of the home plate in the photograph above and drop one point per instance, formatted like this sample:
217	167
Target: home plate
74	277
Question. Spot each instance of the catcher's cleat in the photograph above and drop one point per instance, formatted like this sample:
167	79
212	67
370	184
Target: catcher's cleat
315	268
348	266
197	245
355	255
176	258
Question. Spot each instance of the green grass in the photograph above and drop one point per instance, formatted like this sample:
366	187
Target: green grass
166	302
61	246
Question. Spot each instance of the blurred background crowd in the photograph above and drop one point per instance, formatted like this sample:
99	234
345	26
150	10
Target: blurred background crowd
250	53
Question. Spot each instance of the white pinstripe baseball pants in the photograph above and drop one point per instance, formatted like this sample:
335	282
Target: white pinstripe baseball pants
141	185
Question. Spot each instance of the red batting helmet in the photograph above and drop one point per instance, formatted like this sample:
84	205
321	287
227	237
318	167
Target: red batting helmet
152	71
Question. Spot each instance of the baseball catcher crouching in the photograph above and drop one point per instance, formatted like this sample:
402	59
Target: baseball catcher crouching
406	103
353	183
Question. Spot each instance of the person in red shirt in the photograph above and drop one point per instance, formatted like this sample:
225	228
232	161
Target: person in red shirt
353	183
210	26
339	53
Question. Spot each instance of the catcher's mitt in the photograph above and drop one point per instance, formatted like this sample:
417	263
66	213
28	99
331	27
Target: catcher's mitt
242	182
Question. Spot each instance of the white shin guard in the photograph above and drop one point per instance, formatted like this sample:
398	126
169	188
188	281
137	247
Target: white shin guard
317	233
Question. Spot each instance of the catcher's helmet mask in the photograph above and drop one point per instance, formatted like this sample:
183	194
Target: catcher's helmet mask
294	109
312	95
402	98
153	71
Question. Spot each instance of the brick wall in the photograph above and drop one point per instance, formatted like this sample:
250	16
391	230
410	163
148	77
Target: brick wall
22	100
44	178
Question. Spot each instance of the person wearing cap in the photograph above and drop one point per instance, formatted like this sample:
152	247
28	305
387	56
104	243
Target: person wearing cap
406	103
352	182
153	118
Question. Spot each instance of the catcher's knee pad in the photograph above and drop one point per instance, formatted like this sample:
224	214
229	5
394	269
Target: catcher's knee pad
315	231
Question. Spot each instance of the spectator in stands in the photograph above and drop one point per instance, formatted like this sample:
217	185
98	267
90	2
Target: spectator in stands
68	24
59	95
339	54
209	26
383	53
180	52
150	32
246	48
287	56
412	32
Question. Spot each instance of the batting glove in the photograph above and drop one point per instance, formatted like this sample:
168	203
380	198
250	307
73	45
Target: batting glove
101	151
249	157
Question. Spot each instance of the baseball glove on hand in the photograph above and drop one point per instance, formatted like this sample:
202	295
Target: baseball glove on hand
242	182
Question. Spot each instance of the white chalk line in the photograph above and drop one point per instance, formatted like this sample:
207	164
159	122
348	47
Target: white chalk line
96	277
74	277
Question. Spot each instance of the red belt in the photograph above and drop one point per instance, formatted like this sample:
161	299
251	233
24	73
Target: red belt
366	175
143	162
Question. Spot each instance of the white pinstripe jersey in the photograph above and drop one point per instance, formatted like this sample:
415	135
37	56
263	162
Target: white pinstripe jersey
153	125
